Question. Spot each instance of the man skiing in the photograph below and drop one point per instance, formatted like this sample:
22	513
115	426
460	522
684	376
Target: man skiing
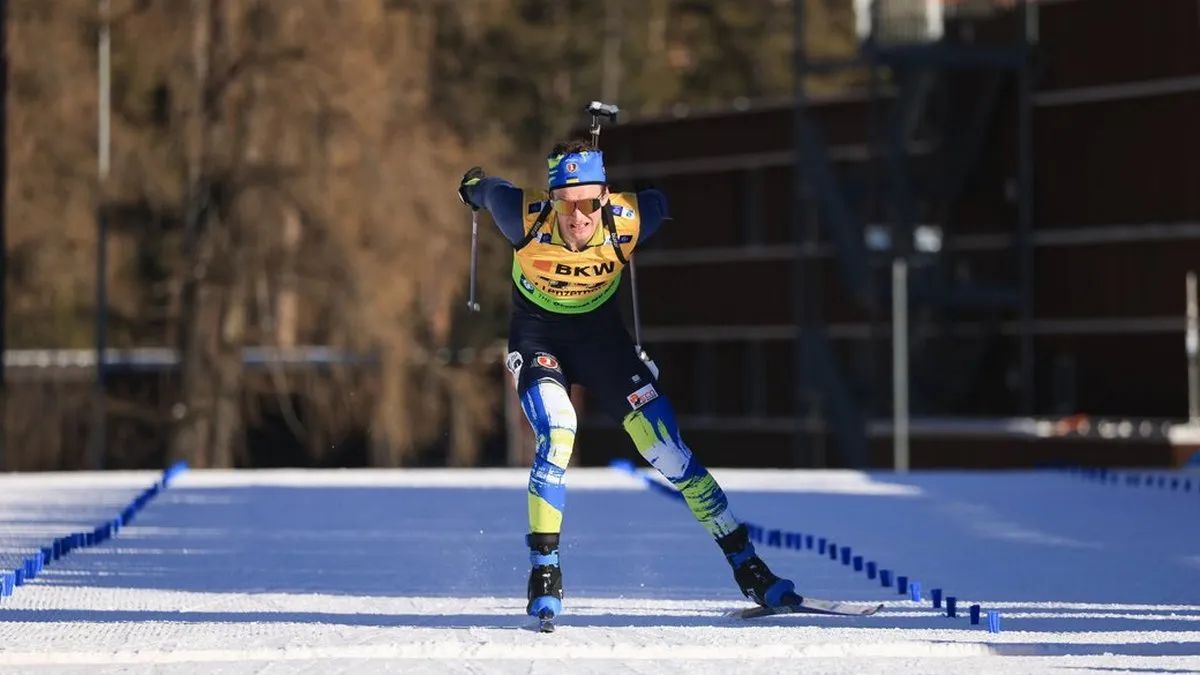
565	327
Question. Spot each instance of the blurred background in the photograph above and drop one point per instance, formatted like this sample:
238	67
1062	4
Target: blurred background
923	233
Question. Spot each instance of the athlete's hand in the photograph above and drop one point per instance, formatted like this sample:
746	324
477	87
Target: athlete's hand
469	179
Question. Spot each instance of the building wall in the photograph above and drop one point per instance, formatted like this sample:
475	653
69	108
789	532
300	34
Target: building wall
1116	228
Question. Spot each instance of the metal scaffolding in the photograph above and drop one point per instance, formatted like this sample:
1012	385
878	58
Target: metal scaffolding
906	196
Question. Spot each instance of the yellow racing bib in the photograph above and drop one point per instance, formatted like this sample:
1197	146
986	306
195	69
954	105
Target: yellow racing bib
560	280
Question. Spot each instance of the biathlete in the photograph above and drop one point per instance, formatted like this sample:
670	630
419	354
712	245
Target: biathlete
569	249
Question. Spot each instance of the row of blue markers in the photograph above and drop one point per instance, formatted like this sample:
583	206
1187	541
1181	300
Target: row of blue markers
32	566
822	546
845	554
1161	481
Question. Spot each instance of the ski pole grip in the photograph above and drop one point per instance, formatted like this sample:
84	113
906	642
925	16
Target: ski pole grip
598	109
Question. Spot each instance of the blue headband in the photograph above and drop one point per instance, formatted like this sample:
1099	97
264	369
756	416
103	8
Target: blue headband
576	168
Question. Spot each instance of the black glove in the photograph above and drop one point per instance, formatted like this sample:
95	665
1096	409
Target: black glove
470	179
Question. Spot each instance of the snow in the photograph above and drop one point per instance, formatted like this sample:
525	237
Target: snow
424	571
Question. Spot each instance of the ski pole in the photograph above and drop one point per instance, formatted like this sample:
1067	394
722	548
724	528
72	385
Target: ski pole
472	305
599	110
637	319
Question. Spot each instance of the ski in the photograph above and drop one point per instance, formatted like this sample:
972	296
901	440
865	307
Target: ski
811	606
546	621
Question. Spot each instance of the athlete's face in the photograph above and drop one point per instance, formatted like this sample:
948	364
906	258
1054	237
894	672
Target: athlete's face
578	215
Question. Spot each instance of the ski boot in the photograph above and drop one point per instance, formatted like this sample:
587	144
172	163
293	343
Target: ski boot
545	580
752	575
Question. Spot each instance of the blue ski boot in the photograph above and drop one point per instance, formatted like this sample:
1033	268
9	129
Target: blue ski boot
545	579
752	575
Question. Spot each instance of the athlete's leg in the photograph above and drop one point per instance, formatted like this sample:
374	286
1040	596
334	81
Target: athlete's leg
623	385
655	433
543	393
548	408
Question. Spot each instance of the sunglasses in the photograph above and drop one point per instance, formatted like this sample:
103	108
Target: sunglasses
565	207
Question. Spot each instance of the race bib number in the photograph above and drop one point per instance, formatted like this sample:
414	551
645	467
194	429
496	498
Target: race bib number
642	396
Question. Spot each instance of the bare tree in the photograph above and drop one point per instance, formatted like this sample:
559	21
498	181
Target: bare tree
317	170
283	174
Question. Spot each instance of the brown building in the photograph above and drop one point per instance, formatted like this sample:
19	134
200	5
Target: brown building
1049	163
